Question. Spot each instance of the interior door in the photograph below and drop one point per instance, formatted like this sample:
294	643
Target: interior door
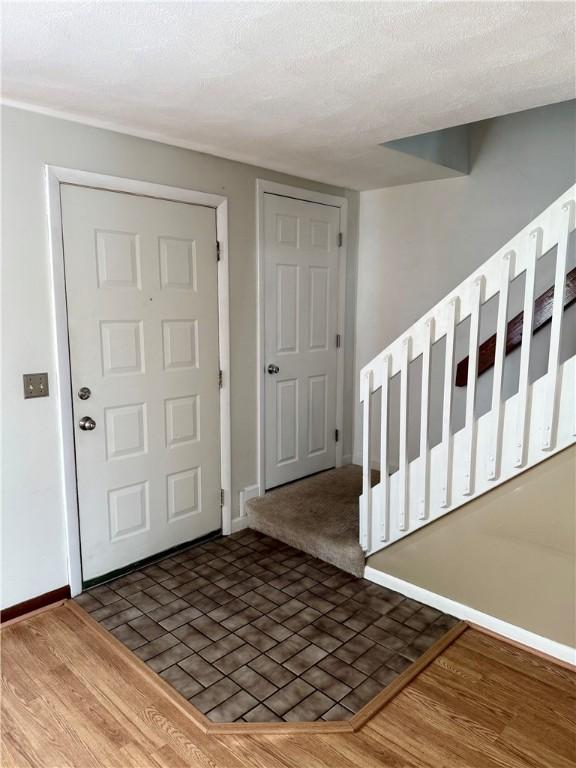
141	285
301	296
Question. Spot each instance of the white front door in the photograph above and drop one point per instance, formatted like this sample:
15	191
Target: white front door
301	316
141	286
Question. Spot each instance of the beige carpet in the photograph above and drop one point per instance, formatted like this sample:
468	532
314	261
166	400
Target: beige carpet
318	515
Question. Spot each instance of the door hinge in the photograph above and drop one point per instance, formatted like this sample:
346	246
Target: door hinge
340	239
217	250
338	340
337	435
220	379
221	497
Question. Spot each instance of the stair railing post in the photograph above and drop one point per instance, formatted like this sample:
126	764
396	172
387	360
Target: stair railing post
403	490
384	477
424	497
477	297
495	444
366	500
551	401
452	309
534	253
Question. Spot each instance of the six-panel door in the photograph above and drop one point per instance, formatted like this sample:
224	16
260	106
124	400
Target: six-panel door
141	283
301	297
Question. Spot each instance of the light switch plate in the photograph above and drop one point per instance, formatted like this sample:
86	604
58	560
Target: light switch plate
35	385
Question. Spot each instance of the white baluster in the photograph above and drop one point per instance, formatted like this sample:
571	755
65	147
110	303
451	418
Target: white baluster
424	417
477	296
527	326
366	505
385	518
551	400
384	478
446	479
403	494
495	444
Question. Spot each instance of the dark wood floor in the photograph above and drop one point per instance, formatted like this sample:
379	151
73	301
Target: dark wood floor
73	696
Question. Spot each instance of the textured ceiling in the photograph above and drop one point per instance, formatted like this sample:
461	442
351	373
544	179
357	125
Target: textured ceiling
308	88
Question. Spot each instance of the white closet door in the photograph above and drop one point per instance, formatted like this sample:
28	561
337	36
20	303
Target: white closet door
141	283
301	296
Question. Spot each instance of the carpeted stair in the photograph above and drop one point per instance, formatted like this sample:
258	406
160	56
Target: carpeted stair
318	515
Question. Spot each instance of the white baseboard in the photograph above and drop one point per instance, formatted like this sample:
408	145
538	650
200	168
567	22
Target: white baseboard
239	523
248	493
346	459
446	605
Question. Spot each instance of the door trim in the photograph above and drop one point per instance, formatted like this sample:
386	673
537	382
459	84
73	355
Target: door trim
271	187
54	177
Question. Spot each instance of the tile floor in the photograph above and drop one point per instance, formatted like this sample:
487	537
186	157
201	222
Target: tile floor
249	629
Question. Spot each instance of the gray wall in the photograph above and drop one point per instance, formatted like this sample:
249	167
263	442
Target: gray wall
33	533
418	241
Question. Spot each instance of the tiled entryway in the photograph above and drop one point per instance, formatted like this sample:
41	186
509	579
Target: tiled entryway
249	629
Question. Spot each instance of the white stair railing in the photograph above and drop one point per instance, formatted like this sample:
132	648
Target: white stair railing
513	435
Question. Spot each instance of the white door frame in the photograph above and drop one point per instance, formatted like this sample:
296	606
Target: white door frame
263	186
55	176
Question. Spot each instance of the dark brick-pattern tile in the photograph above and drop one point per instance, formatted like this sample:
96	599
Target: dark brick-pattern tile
249	629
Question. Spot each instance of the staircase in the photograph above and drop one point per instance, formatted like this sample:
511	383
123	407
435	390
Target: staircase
438	445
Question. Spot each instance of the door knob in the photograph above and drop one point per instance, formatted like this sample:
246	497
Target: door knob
87	423
273	368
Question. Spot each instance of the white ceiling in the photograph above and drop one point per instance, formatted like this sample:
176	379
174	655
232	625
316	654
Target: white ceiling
309	88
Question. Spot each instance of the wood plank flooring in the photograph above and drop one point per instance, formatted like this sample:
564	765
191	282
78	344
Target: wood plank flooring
71	699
